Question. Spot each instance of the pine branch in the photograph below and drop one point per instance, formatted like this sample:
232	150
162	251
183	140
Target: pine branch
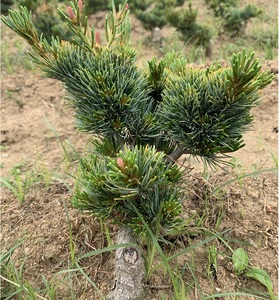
105	88
206	112
21	23
137	176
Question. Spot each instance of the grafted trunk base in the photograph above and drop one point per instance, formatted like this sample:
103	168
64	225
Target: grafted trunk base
129	269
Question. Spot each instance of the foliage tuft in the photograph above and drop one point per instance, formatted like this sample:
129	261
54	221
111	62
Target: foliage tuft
137	176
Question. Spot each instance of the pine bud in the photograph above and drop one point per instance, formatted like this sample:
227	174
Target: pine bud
71	13
97	38
120	163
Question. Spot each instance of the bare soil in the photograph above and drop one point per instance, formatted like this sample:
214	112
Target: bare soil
35	123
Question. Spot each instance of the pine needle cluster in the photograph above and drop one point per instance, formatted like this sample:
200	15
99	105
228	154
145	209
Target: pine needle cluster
138	177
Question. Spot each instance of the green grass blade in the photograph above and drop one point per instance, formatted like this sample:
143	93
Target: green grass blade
243	176
214	296
196	282
10	187
162	255
106	249
89	280
58	138
214	236
9	253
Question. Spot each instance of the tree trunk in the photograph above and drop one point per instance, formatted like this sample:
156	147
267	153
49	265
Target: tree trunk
178	152
129	269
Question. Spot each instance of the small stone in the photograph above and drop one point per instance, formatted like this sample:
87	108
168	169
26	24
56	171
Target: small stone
267	224
27	251
253	244
157	35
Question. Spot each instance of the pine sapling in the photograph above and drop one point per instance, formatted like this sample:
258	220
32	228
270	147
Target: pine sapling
142	121
184	20
234	17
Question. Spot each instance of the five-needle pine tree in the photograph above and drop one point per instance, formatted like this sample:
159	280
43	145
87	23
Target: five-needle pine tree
143	121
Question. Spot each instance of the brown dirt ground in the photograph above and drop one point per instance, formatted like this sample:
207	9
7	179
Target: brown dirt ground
33	114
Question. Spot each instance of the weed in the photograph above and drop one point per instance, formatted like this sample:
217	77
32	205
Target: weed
20	180
173	43
212	265
11	96
18	184
50	289
275	160
70	153
12	278
269	52
6	58
14	58
266	37
242	177
44	174
196	54
240	264
105	229
14	284
4	148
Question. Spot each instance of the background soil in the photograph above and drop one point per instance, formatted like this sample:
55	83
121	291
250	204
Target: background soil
35	126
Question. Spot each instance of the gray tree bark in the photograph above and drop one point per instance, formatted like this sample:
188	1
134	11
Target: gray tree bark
176	154
129	269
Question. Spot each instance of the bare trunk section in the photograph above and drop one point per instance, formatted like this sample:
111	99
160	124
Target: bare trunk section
176	154
129	269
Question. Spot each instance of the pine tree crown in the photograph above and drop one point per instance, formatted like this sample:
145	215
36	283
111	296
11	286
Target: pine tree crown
205	112
144	118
